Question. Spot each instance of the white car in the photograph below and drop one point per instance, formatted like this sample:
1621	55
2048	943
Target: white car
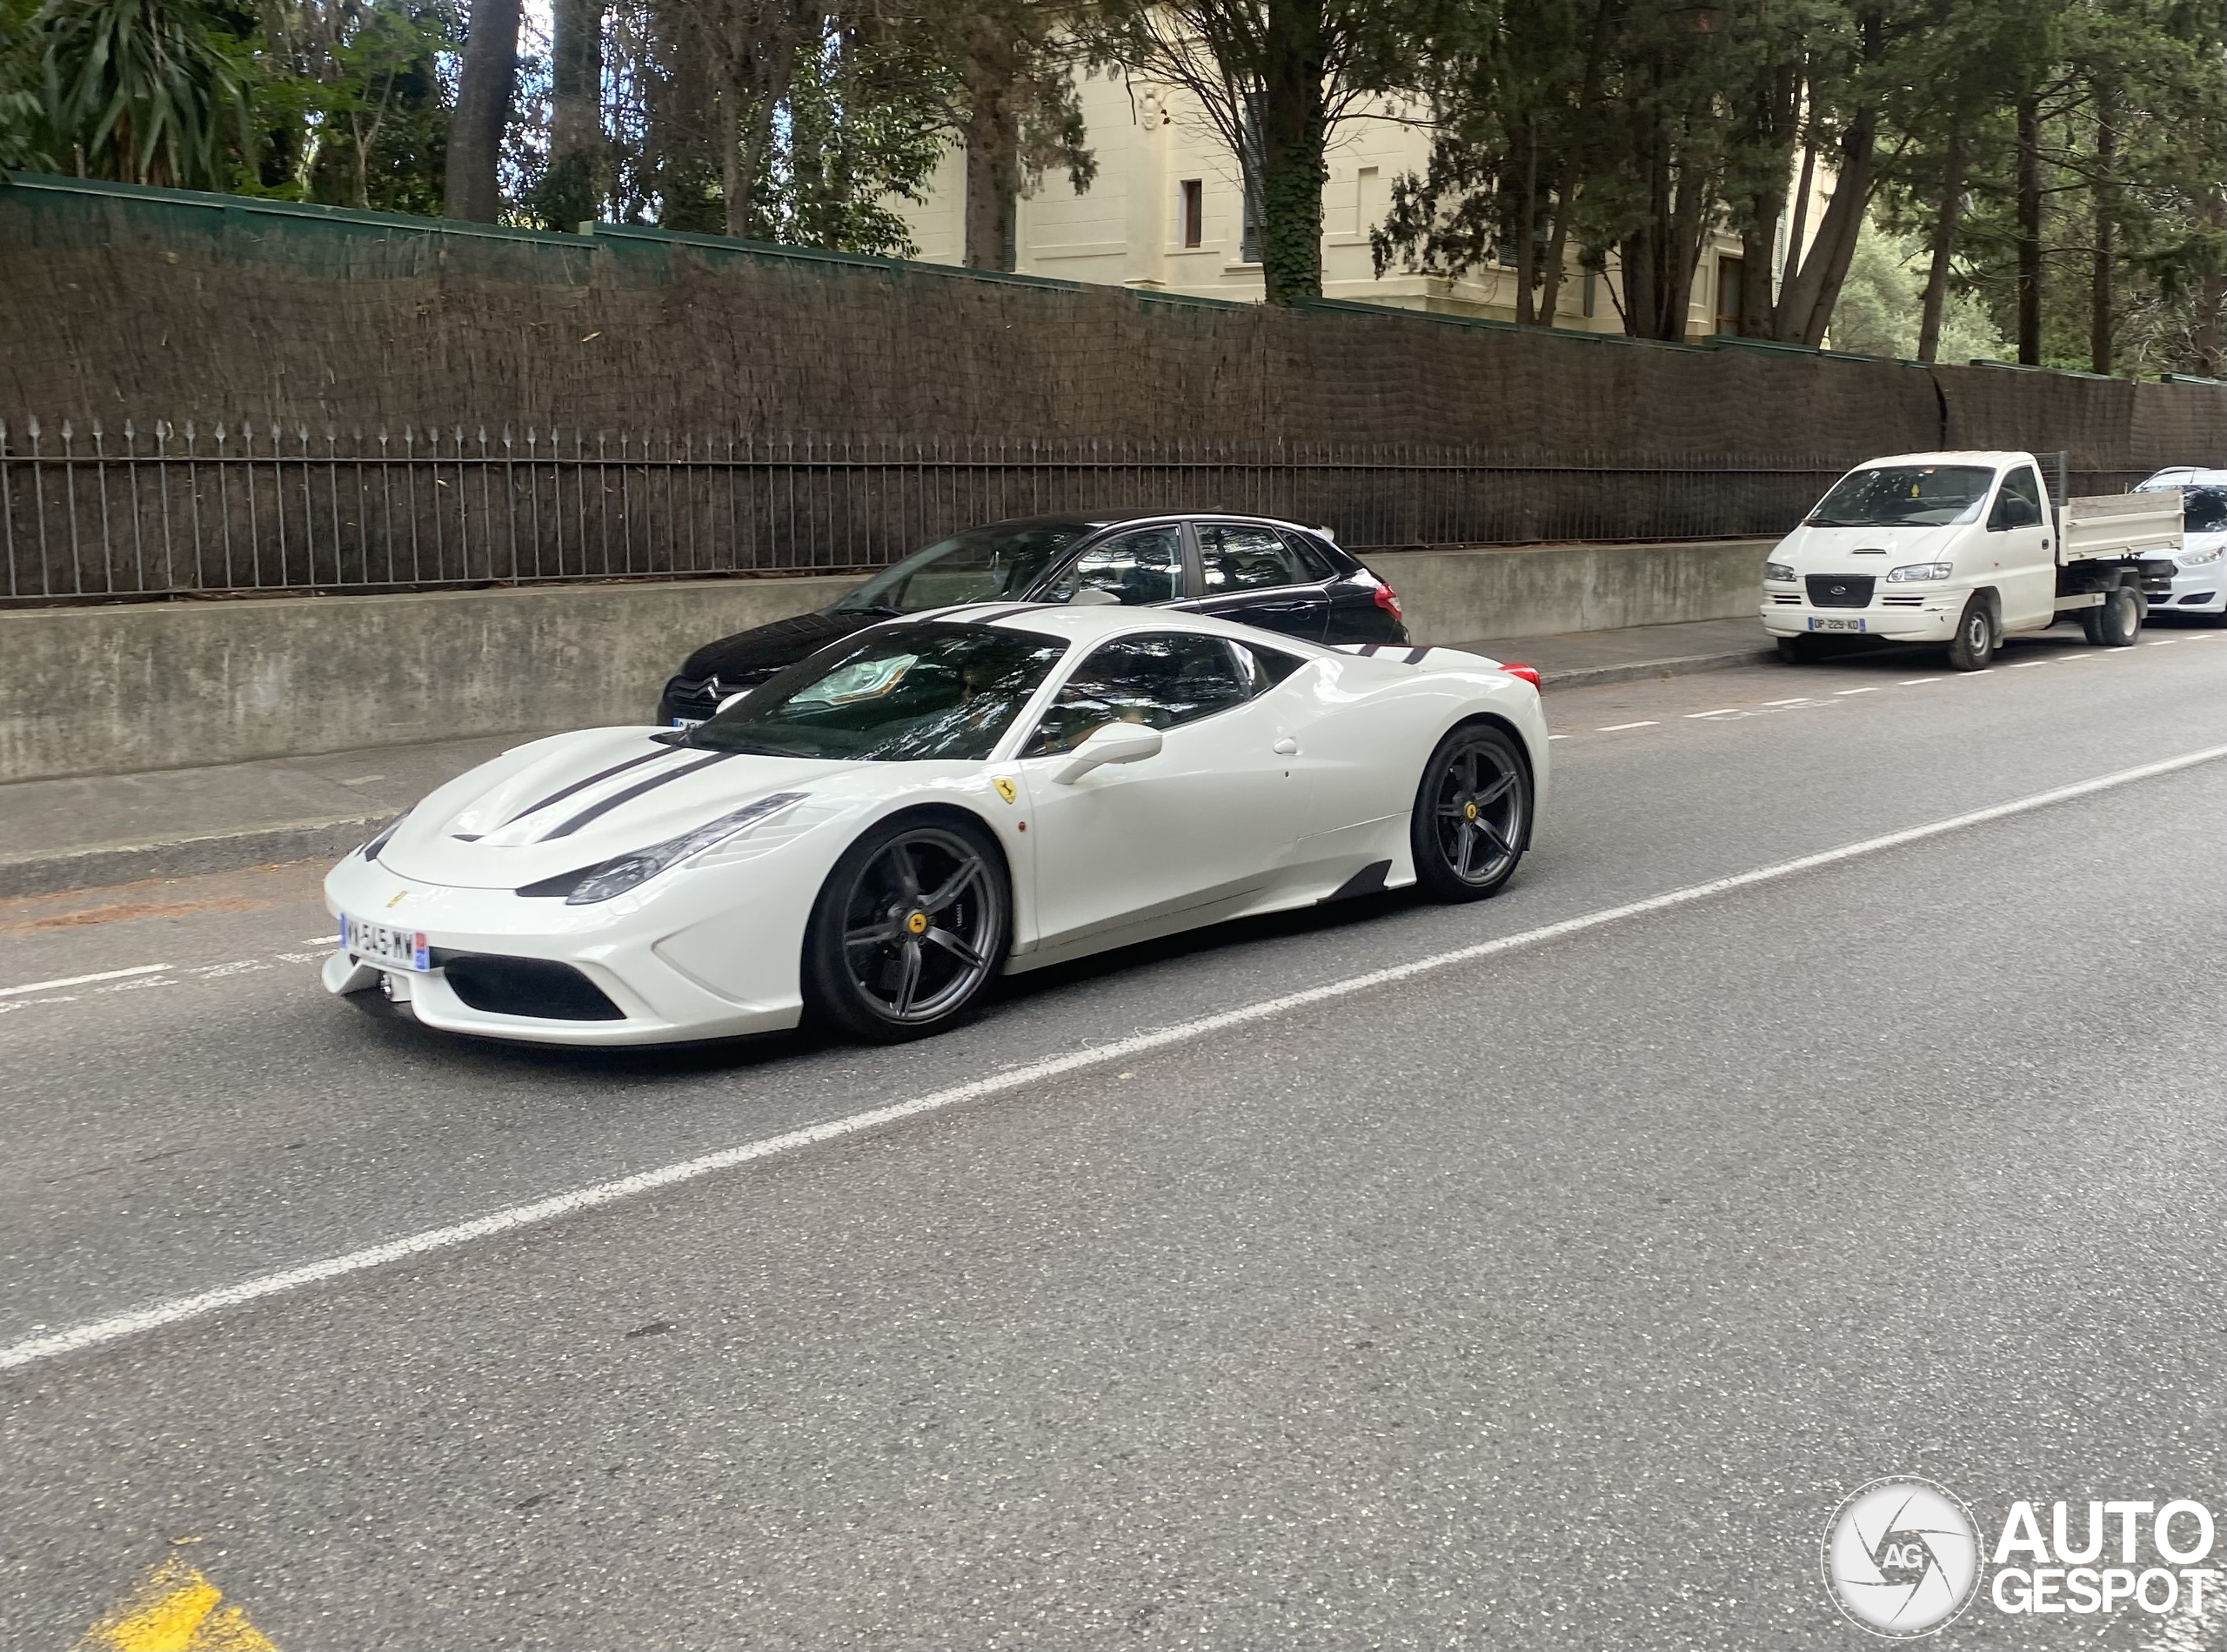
875	832
2200	587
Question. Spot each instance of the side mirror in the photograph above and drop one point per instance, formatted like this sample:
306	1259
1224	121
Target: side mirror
1114	743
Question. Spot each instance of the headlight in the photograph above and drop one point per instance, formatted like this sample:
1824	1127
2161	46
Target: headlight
1777	573
1914	572
2197	559
371	850
615	877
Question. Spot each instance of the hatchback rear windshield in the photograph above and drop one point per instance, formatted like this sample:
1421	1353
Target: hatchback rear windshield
894	694
1896	496
975	564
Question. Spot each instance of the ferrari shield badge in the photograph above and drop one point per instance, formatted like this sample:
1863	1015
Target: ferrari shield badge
1006	789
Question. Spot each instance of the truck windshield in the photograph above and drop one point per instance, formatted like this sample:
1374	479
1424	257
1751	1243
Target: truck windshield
975	564
895	694
1904	496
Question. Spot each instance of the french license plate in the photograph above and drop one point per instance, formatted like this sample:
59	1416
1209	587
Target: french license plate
1818	623
403	948
687	722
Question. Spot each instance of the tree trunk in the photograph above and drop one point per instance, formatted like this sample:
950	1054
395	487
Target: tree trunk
1944	247
2029	230
1526	244
2105	196
1794	232
1293	127
483	110
993	162
574	185
2209	337
1573	156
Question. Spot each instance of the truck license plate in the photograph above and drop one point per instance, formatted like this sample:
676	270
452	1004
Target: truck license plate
1818	623
402	948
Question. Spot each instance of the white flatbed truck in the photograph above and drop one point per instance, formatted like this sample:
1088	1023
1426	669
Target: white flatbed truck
1965	549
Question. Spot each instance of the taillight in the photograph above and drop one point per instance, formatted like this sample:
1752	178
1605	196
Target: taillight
1388	599
1528	673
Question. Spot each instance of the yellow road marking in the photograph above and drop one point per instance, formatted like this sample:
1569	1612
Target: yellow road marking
175	1609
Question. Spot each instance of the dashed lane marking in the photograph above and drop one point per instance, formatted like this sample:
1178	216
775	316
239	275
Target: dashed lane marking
1117	1053
1912	682
1799	699
1870	689
1722	711
1618	728
2027	664
175	1609
83	980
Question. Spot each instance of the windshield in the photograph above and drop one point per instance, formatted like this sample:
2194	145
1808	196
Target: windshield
1904	496
903	693
2203	510
977	565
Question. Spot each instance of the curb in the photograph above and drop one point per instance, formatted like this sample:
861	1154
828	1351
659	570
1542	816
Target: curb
113	863
1684	666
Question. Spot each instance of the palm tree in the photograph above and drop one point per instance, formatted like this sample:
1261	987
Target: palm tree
140	90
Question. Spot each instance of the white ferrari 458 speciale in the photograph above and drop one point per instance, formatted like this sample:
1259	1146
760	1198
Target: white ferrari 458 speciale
871	835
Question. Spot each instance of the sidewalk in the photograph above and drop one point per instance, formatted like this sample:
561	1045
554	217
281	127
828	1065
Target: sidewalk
115	828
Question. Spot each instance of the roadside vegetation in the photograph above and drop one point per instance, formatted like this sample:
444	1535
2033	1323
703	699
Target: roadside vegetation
2039	176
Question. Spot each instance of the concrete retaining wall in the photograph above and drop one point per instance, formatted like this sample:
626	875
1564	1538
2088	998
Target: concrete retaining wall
123	689
1460	594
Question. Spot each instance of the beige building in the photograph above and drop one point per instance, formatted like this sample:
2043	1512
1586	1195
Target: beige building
1167	212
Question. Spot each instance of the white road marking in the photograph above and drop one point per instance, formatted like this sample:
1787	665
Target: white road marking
329	939
1799	699
2162	642
1617	728
2022	665
1729	711
1912	682
1844	693
81	980
1560	736
94	1333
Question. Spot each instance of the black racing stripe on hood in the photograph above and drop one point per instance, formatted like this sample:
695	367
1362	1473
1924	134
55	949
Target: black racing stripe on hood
581	786
594	810
1416	656
992	618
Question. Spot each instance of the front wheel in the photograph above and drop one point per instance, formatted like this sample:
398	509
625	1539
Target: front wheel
908	929
1473	814
1974	645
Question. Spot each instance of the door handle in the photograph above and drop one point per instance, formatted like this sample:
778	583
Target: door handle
1286	747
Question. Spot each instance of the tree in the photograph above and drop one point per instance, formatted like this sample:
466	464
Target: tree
486	86
141	90
570	188
1276	79
1015	110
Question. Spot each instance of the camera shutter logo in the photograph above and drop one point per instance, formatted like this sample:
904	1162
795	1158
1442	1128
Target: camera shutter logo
1902	1557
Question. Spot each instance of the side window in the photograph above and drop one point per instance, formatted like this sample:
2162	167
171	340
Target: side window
1159	680
1136	569
2019	505
1236	558
1263	668
1310	556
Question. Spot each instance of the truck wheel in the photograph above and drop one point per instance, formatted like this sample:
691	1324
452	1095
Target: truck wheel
2119	620
1974	645
2091	624
1797	651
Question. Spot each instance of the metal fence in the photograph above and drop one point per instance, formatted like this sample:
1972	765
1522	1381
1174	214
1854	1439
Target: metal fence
89	514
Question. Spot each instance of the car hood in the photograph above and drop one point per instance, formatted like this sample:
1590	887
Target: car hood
751	656
1836	550
562	804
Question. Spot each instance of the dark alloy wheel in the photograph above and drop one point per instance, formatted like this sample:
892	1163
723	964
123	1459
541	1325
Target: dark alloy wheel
909	928
1473	814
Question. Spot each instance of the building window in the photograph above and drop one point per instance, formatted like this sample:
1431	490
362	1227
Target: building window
1192	210
1731	288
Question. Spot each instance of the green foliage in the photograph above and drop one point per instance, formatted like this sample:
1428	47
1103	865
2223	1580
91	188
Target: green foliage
23	138
147	92
1880	304
351	106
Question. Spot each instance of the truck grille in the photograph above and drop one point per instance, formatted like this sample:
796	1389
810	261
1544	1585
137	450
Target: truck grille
1840	590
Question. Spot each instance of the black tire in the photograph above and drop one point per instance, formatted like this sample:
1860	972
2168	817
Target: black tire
2119	620
1472	818
1974	643
2091	624
1798	651
911	926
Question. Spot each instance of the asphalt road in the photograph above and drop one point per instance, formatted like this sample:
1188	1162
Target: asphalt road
1553	1298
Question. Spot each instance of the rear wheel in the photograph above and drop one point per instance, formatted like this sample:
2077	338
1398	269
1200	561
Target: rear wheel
909	928
1472	815
1974	643
2119	620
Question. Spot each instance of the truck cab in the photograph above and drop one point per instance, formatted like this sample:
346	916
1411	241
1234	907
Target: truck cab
1961	548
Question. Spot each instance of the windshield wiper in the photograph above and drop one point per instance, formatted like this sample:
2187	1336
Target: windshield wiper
881	608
